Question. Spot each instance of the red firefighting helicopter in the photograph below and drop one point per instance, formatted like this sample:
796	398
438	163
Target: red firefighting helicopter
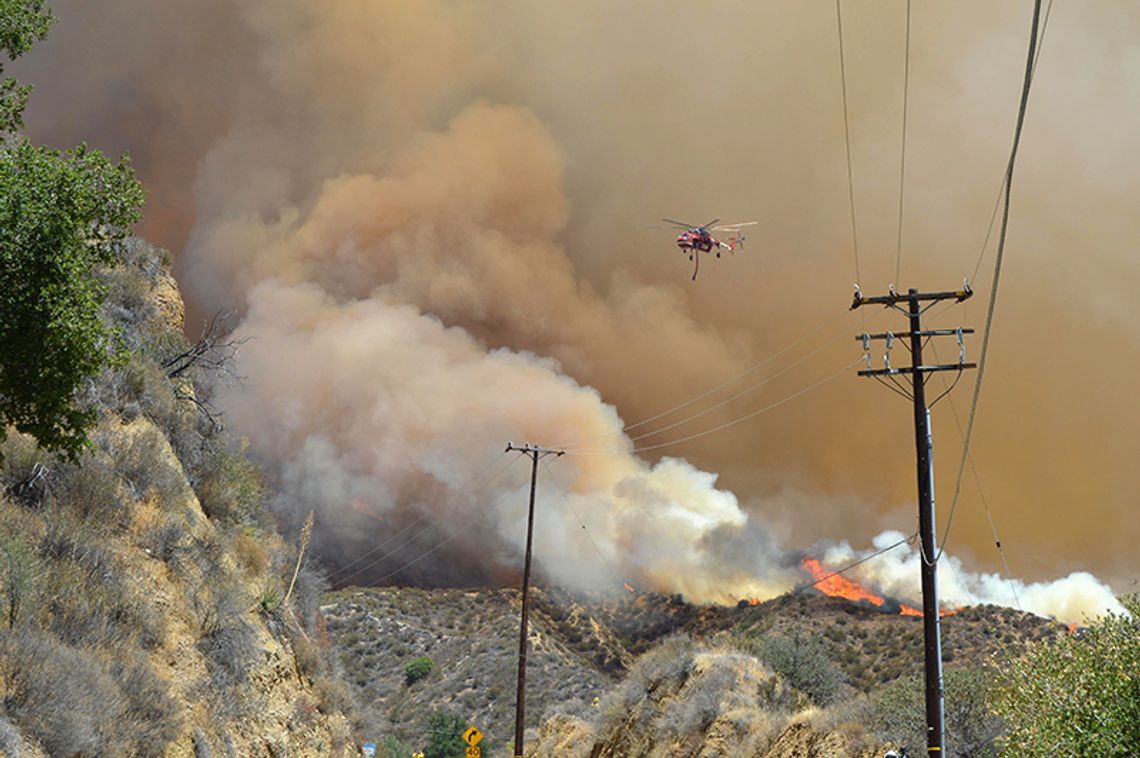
698	239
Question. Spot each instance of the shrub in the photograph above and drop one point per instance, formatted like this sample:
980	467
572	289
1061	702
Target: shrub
148	469
228	642
306	653
333	695
445	736
11	743
168	541
417	669
312	584
18	564
269	598
1078	695
22	468
89	600
58	694
250	553
805	664
151	719
393	747
972	730
89	488
229	486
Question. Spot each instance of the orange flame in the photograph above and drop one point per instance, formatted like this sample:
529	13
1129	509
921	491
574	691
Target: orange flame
835	585
628	586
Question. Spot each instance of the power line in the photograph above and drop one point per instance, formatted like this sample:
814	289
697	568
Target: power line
424	517
609	449
443	542
985	502
745	417
726	424
408	541
742	393
902	159
750	370
859	562
1001	186
847	141
1028	80
582	523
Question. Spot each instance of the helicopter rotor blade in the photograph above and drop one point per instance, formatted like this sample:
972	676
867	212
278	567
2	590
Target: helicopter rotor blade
734	227
706	226
678	223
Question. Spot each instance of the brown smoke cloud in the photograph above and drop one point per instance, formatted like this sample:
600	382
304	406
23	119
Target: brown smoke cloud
482	177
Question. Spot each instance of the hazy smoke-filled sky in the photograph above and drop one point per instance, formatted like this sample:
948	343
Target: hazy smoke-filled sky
437	217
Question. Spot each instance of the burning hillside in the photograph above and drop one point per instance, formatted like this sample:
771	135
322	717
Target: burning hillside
836	585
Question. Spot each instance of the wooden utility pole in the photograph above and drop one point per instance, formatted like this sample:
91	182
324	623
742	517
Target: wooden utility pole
923	445
536	454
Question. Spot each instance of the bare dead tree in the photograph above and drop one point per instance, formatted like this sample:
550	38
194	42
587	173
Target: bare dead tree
214	353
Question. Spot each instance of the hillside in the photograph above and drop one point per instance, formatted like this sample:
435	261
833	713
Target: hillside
142	584
587	647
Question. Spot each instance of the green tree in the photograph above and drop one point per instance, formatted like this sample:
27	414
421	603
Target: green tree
445	736
1078	695
62	216
972	729
417	669
22	23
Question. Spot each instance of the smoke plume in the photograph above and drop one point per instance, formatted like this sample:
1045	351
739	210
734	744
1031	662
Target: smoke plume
434	217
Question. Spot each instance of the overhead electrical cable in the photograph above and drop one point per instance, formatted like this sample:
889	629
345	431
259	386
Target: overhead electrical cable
438	546
982	360
582	523
985	503
859	562
902	159
712	390
1001	186
734	422
743	392
847	141
422	518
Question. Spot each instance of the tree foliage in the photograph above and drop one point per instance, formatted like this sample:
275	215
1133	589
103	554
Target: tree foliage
62	216
417	669
22	23
804	662
1079	695
972	729
445	736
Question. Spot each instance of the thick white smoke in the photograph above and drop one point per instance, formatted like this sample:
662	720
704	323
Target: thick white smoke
1073	598
371	410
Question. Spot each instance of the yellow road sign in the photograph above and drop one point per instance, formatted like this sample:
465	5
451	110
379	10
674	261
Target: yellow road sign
472	736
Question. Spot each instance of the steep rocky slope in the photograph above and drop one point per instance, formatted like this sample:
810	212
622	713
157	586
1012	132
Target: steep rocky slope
142	584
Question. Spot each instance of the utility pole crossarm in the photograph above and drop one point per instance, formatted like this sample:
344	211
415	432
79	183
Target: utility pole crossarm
534	450
894	297
916	369
907	335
